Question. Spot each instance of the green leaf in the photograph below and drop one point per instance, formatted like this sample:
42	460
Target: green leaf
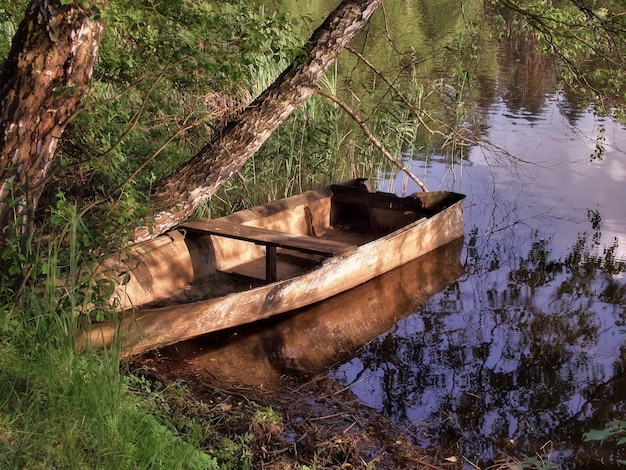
598	434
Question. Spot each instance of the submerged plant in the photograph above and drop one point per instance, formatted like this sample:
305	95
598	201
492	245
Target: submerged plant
615	429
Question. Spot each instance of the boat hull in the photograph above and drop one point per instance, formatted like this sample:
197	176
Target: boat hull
149	328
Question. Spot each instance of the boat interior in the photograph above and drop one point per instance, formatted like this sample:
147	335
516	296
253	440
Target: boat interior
208	258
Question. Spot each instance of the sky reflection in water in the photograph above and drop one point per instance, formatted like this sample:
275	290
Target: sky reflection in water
526	352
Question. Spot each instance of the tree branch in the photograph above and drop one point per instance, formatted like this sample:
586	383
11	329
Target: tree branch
177	196
356	118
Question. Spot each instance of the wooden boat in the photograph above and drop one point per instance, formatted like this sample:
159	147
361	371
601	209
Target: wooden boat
213	274
312	339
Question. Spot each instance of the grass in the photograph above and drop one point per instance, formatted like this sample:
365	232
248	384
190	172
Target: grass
63	410
60	408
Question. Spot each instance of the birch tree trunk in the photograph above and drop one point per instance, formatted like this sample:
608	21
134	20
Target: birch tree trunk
48	70
50	67
177	196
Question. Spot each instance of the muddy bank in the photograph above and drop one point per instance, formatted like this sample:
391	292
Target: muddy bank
315	423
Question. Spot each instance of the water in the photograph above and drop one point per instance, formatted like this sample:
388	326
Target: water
526	352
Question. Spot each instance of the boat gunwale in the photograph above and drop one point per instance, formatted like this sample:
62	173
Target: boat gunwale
136	327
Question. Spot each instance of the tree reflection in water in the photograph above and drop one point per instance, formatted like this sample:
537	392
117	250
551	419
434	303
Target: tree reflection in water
510	364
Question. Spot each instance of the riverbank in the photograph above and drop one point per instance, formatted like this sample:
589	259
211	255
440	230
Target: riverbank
311	425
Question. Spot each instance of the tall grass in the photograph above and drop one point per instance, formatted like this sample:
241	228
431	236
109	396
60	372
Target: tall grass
316	146
415	118
64	410
60	408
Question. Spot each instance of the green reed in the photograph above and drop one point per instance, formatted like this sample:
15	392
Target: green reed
62	408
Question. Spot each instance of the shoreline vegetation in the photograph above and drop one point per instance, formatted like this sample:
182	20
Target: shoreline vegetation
64	409
79	412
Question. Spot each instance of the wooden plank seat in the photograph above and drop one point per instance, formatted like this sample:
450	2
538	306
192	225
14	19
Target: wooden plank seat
271	239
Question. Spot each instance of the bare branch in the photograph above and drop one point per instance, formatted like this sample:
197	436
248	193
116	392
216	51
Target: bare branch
368	133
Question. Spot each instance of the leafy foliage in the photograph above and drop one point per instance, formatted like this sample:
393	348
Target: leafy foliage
169	74
589	39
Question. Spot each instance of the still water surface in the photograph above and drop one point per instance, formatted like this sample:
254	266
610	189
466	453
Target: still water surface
522	349
526	351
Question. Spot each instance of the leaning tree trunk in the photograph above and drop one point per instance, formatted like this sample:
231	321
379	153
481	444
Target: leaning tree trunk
48	69
178	195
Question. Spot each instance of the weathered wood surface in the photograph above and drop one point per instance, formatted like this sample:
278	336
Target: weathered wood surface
152	328
325	333
303	243
271	239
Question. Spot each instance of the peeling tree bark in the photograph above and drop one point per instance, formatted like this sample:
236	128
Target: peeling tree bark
48	70
177	196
